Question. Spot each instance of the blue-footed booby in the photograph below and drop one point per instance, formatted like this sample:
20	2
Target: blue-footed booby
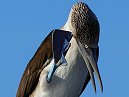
66	60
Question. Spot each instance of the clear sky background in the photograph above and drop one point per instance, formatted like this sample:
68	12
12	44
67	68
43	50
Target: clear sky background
25	23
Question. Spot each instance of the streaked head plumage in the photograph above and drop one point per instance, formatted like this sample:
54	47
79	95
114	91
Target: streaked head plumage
84	24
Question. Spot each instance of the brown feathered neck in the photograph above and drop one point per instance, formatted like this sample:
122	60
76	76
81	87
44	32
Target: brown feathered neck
84	24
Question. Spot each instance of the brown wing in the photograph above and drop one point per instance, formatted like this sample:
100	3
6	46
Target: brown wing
51	45
95	52
34	67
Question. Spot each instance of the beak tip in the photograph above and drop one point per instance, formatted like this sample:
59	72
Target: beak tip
102	89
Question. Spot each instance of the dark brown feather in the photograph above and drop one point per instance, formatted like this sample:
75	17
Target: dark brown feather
85	25
32	72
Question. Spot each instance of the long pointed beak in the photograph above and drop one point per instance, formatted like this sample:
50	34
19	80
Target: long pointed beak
90	63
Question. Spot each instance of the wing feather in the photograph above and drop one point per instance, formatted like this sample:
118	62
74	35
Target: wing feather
52	44
32	72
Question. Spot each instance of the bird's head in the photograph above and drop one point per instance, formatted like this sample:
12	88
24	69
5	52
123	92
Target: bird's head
84	24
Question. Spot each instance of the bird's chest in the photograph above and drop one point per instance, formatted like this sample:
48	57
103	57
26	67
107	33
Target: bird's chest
68	80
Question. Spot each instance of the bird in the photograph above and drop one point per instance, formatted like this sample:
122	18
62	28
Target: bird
66	60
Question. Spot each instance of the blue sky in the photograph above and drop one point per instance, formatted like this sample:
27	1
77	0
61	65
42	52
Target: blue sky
25	23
